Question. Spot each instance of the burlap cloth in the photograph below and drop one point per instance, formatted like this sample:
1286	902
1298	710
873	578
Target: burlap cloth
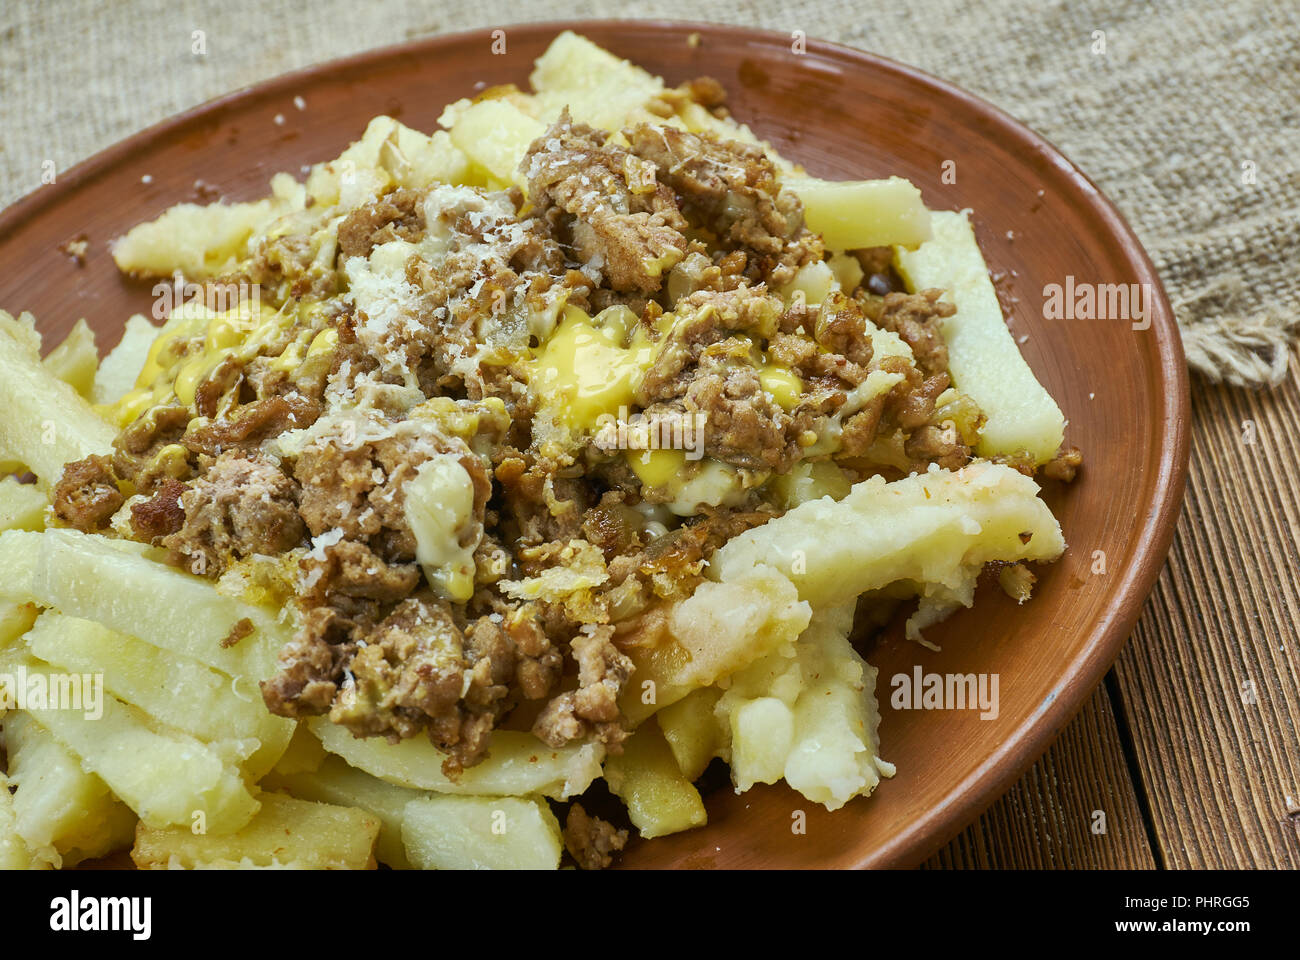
1189	119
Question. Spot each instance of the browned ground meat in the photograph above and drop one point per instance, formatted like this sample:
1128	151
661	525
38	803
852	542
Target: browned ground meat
731	189
252	424
409	674
526	517
602	673
223	382
915	318
312	663
841	328
349	568
706	367
395	216
707	92
161	515
1065	465
877	264
136	448
241	506
86	496
938	444
802	355
621	220
706	317
591	842
243	628
744	426
414	670
360	490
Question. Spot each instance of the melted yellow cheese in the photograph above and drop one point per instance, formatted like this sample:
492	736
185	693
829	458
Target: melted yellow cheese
587	370
440	511
175	369
657	468
688	483
782	383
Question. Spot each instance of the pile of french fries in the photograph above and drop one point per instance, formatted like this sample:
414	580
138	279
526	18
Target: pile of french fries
179	760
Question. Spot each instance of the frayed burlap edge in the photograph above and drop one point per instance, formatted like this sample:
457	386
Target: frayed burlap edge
1228	346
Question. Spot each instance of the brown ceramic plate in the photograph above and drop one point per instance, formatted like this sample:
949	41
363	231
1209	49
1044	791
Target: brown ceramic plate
843	114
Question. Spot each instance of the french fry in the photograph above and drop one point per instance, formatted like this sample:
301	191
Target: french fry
983	358
172	689
495	135
389	154
203	242
517	763
851	214
337	782
75	360
15	620
692	731
286	832
166	777
698	119
481	833
22	329
646	777
63	814
810	719
303	755
22	505
931	528
719	629
17	570
599	88
118	371
46	423
160	605
14	854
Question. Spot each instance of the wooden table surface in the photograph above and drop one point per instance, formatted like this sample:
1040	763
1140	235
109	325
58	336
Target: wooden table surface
1188	755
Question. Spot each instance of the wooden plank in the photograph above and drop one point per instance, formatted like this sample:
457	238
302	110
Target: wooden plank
1211	680
1046	820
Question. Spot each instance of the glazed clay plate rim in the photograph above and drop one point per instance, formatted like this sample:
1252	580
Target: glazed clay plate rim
1015	751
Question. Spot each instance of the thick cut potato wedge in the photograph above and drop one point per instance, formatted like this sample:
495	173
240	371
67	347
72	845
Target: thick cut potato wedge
166	777
481	833
158	604
389	154
983	358
852	214
599	88
15	620
22	505
517	763
303	755
495	135
930	528
721	628
46	422
118	372
334	781
660	799
63	814
692	731
810	719
290	833
174	690
14	854
203	242
75	360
